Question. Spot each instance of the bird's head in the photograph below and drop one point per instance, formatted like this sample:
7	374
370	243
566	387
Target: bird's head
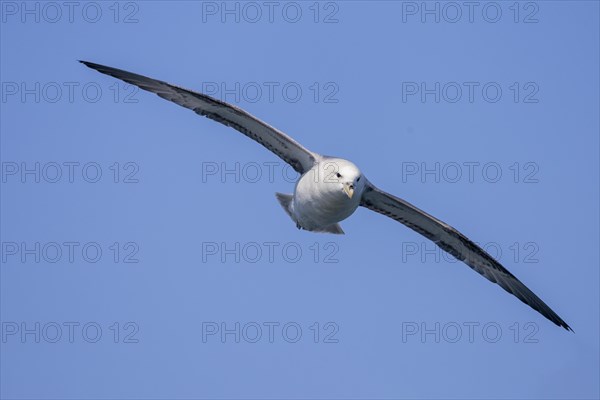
345	176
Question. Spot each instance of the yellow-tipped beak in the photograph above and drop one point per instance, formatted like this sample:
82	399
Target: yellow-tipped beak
349	190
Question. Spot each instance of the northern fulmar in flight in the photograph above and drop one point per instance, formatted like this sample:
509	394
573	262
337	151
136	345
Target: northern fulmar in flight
330	189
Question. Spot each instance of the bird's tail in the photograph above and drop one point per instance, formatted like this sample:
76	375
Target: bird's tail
286	202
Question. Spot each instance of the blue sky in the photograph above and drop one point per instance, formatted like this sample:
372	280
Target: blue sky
144	254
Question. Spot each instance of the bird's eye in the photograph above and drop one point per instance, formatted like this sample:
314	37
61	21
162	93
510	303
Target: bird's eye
358	179
338	175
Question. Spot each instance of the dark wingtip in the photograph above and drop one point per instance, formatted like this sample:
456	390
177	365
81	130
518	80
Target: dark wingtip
564	325
87	63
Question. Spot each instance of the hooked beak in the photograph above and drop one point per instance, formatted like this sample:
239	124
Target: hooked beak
348	189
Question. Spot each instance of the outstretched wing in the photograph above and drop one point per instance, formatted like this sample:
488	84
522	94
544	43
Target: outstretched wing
457	244
278	142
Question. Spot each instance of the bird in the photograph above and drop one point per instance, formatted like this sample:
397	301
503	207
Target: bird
330	189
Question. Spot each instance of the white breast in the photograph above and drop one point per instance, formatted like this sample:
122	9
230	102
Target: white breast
319	201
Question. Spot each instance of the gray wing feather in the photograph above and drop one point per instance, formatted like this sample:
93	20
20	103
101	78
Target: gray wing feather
456	244
274	140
